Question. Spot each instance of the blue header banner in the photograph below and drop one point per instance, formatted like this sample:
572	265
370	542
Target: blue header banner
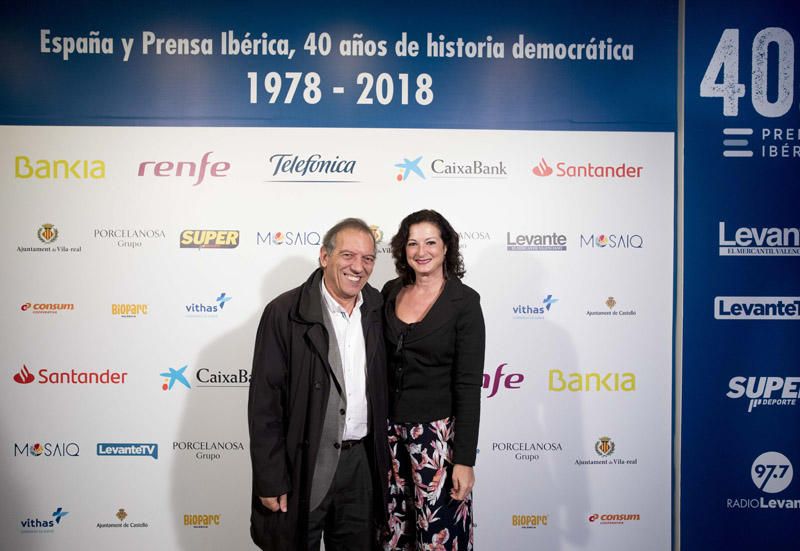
507	65
741	381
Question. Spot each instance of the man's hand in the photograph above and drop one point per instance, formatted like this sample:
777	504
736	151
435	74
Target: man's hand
274	503
463	481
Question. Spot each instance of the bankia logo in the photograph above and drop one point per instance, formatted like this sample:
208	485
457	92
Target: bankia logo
47	307
604	449
71	377
469	168
408	168
508	381
26	168
772	473
48	234
47	525
613	310
207	309
755	241
611	241
132	238
766	392
537	242
289	238
47	449
127	449
209	239
528	450
207	451
313	168
534	311
186	169
757	308
613	381
563	169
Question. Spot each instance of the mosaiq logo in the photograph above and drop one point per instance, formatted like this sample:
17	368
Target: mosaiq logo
290	238
611	241
772	473
47	449
534	311
757	308
71	377
314	168
208	309
36	525
761	391
563	169
186	169
759	241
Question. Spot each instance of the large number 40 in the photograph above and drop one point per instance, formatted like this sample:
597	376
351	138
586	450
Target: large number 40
726	60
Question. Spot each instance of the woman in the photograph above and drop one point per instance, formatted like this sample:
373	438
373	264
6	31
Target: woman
435	342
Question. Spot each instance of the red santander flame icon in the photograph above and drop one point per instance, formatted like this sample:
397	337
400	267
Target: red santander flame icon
542	169
24	376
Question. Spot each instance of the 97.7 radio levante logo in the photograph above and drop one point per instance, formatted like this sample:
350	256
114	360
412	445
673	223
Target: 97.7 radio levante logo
771	473
771	92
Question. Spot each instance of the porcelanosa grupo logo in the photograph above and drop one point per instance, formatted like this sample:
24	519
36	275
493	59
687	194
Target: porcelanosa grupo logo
185	169
47	449
132	238
47	525
618	171
71	377
769	392
207	309
772	473
409	167
534	311
755	241
289	238
528	451
757	308
207	450
314	168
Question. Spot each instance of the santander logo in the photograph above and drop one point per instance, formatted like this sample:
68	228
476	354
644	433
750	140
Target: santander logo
24	376
542	169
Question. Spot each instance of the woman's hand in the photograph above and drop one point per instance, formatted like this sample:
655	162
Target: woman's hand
463	481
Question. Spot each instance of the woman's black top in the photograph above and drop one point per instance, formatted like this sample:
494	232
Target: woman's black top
436	364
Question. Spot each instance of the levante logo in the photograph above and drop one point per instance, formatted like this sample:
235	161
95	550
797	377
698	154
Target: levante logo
588	170
753	241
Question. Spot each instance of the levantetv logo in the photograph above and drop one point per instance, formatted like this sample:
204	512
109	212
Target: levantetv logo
314	168
757	308
127	449
43	526
765	391
762	241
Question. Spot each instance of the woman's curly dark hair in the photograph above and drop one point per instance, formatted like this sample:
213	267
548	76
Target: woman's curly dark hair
453	261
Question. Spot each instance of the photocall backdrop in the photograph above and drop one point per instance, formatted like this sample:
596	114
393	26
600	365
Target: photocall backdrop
165	176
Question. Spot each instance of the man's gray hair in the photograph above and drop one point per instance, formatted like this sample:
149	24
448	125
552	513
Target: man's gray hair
329	241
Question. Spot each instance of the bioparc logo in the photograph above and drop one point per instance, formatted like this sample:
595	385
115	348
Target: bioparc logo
615	518
409	168
185	169
71	377
290	238
611	310
537	242
772	392
209	239
47	307
527	451
207	310
763	241
757	308
771	472
36	525
314	168
529	521
48	234
127	449
47	449
202	521
533	311
611	241
604	449
510	381
122	517
563	169
474	168
126	310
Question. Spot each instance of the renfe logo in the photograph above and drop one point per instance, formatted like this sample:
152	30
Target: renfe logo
512	380
757	308
162	169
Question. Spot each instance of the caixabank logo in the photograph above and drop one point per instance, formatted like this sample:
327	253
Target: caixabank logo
469	169
765	392
209	239
759	241
312	168
47	449
43	525
614	171
71	377
208	309
606	452
192	171
771	473
756	308
409	168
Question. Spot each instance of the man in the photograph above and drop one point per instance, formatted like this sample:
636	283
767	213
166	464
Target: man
318	405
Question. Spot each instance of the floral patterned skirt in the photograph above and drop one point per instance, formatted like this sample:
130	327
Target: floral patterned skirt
422	515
